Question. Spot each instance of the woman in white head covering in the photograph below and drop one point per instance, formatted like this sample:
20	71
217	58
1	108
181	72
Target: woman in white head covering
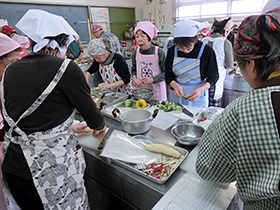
191	67
148	61
224	55
111	66
43	165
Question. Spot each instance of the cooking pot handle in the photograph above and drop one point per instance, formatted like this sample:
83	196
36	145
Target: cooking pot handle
155	113
116	112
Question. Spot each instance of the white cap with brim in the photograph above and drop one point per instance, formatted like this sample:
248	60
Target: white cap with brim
38	24
270	5
7	45
187	28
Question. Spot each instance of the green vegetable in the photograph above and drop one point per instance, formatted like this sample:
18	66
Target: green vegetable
128	103
186	96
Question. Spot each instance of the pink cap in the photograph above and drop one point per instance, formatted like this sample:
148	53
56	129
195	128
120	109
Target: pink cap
7	45
96	28
148	27
22	40
7	30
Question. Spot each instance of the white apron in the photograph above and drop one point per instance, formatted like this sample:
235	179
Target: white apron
148	66
109	76
187	72
218	47
57	168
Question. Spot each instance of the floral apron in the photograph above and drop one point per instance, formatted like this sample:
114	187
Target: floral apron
109	75
57	168
187	72
148	66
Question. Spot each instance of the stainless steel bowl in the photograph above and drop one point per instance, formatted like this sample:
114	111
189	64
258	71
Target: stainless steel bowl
143	93
187	133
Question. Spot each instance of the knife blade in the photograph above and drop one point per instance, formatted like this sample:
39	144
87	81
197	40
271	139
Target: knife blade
187	112
103	141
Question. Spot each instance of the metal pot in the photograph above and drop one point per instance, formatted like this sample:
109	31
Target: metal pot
135	121
143	93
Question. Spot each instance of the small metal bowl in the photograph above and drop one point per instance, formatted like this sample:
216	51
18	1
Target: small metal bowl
187	133
143	93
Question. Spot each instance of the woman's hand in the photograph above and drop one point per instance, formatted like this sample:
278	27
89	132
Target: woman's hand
103	86
147	80
196	93
80	128
137	83
99	133
178	90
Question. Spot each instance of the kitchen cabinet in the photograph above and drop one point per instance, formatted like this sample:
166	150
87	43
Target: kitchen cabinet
108	183
111	186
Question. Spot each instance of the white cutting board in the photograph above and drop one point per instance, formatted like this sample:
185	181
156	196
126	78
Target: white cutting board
90	141
189	163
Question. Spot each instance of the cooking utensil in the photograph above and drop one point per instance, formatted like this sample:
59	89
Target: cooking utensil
186	111
135	121
103	141
143	93
187	133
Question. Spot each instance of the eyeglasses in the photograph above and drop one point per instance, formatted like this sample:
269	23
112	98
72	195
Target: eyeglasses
185	49
10	61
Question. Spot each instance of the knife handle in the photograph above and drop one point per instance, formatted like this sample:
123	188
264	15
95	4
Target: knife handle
102	143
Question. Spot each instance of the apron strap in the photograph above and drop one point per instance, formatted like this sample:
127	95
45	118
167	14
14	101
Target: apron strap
201	50
199	54
36	104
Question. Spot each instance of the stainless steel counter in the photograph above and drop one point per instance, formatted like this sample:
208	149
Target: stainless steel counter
117	185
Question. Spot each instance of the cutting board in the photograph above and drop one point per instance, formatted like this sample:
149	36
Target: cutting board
90	141
189	163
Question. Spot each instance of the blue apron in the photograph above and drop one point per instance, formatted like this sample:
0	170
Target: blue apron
187	72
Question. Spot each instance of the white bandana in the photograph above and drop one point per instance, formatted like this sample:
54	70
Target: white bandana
38	24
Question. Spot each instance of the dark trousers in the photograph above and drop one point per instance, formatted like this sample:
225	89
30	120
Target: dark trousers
24	192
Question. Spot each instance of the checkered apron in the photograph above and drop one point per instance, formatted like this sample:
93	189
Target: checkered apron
56	166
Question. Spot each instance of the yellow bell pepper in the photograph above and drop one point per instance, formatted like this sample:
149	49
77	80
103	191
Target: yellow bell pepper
141	104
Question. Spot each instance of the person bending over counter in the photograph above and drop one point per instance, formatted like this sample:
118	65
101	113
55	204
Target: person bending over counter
38	102
111	66
243	143
191	66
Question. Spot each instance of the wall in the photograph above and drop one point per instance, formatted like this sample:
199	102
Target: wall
166	8
101	3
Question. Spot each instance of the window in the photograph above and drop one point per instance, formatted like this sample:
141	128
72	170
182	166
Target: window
217	8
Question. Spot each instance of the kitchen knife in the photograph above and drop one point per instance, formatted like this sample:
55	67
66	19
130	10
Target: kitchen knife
103	141
187	112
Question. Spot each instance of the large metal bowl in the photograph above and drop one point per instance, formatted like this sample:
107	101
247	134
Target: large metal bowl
187	133
143	93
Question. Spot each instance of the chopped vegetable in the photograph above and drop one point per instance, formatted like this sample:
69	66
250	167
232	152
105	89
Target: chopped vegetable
168	106
186	96
96	90
203	119
141	104
127	103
